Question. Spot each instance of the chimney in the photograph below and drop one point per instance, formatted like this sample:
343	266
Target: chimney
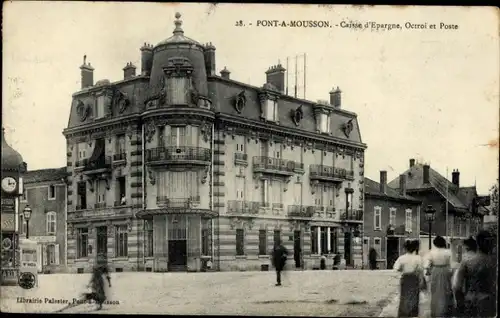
225	73
87	72
383	181
426	173
455	178
335	97
129	71
275	76
209	59
146	59
402	184
412	163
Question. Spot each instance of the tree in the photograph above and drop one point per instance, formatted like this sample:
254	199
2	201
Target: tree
494	199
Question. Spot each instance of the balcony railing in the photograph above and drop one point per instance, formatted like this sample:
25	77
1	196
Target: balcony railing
81	207
302	211
186	203
269	164
330	173
277	206
81	163
98	164
240	158
351	215
243	207
178	155
122	156
100	213
100	205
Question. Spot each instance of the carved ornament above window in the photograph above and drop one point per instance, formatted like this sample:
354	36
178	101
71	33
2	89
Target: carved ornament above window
348	127
178	67
83	110
121	101
297	115
240	101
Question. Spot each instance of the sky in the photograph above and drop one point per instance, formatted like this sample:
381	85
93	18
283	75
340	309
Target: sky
428	94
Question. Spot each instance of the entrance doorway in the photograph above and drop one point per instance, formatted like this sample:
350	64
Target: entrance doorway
297	250
347	248
392	251
102	241
177	255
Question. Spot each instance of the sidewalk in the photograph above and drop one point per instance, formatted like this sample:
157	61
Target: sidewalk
391	310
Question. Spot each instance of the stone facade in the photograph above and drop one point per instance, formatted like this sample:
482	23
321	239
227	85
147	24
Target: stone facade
177	168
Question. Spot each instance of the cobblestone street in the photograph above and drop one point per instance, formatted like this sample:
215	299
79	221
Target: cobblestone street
323	293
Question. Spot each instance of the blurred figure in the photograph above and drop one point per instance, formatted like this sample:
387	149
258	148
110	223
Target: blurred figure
412	276
372	258
476	280
438	264
279	257
97	284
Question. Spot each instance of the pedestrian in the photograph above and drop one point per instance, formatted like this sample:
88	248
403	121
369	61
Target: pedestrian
475	285
372	257
279	257
438	264
411	281
97	284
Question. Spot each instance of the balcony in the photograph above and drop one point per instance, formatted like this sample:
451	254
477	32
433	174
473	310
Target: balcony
178	156
276	166
301	211
119	158
243	207
100	205
80	164
240	159
177	203
100	212
351	216
101	165
331	174
325	211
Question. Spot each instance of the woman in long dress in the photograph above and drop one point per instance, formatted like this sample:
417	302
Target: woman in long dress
439	265
410	266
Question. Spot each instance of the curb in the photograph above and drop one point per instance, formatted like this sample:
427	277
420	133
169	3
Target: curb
393	304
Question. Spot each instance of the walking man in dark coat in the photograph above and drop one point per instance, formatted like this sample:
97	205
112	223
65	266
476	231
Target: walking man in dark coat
372	257
279	256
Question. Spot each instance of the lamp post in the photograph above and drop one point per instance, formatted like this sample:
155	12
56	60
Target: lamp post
27	215
429	216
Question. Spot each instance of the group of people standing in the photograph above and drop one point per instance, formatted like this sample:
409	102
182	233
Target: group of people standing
467	291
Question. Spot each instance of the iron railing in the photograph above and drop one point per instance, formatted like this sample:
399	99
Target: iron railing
100	205
120	156
120	203
330	172
240	157
81	163
243	207
351	215
103	162
277	206
305	211
178	154
282	165
177	202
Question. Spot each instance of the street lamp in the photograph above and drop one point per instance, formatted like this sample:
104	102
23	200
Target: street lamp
27	215
429	216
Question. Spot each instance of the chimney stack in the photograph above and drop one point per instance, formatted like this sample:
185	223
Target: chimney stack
146	59
335	97
383	181
275	76
427	168
87	72
129	71
225	73
209	59
402	184
412	163
455	178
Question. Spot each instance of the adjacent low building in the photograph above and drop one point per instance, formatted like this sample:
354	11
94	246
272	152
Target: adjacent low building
45	193
391	217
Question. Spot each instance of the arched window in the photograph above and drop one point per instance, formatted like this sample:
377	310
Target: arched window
51	254
51	223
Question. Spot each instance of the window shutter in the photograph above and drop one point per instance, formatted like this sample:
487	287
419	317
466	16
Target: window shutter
44	254
56	253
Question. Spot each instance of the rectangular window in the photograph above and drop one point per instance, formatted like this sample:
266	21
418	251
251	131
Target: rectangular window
100	106
148	249
51	254
121	195
120	144
324	123
324	240
277	237
277	151
82	150
240	188
264	193
178	136
101	192
82	195
333	241
205	241
409	221
377	245
392	217
314	239
377	218
275	111
121	241
240	242
262	242
51	223
52	192
82	242
177	89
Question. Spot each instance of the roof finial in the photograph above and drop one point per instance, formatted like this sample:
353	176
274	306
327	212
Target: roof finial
178	30
84	59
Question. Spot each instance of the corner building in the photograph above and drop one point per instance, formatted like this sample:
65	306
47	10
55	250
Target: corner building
178	167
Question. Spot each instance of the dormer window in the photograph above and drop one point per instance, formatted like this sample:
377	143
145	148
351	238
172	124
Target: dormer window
178	82
325	123
272	110
99	109
269	109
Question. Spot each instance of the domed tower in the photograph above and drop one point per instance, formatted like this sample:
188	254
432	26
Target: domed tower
12	168
178	150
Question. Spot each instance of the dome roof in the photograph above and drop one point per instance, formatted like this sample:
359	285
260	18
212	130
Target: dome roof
178	36
11	159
